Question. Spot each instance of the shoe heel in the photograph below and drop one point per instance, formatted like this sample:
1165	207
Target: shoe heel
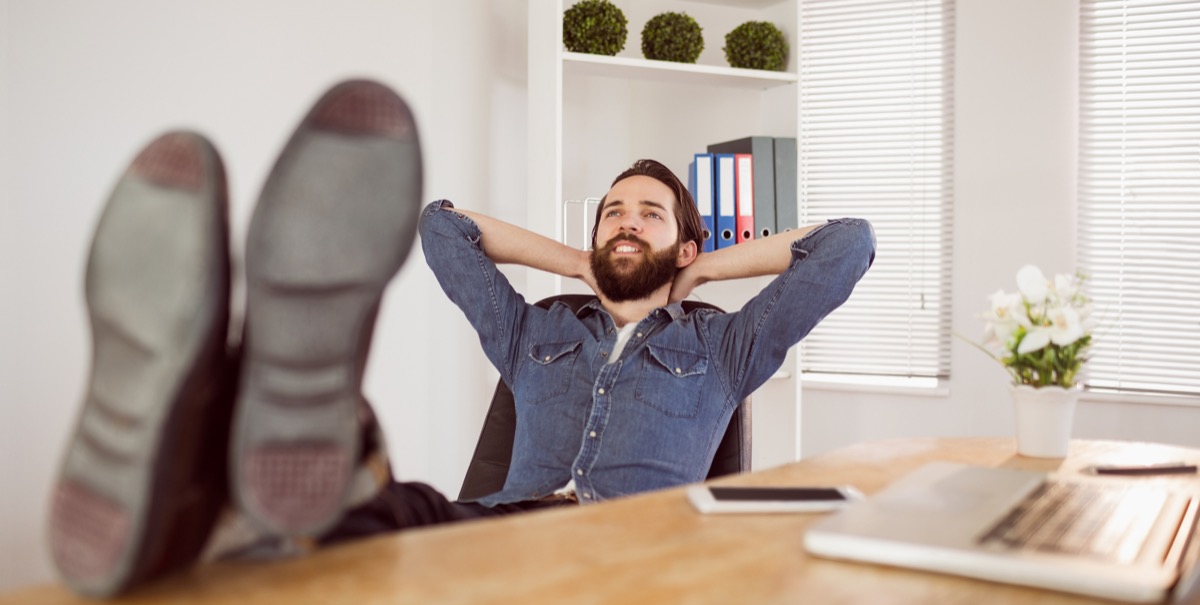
89	537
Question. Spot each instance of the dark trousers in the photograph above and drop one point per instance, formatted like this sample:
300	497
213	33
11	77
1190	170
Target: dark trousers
407	505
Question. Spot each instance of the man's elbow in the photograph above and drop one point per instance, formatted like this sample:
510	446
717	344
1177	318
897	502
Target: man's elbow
869	242
850	239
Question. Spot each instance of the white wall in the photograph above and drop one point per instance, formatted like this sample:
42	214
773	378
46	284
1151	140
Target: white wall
1015	179
8	350
84	84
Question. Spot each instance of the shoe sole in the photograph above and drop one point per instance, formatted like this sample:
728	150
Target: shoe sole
336	220
157	289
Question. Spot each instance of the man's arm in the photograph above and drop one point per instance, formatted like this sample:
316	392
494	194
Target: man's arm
823	264
463	250
507	243
767	256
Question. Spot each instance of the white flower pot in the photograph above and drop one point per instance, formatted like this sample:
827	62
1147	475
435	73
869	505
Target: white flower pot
1044	418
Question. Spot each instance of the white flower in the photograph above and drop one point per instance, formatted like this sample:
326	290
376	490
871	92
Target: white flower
1006	307
1065	326
1041	333
1006	314
1037	338
1061	327
1032	283
1066	286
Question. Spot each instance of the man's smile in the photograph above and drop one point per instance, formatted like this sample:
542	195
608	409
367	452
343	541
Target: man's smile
626	244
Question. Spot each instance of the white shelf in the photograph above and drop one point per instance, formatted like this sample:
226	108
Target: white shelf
589	114
676	73
741	3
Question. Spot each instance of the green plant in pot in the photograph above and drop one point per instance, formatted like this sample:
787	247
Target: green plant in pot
756	45
595	27
672	37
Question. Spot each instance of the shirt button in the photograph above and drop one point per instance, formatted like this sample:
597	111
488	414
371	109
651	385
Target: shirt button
592	434
678	371
547	358
610	330
604	353
639	334
587	496
601	391
579	472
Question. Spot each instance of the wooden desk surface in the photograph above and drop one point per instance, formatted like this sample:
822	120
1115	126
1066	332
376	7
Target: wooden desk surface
652	548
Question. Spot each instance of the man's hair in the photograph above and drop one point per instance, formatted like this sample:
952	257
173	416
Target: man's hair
687	216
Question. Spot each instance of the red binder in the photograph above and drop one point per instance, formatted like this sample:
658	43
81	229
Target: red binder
744	167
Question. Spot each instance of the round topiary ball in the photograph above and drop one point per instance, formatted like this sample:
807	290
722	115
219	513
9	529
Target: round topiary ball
595	27
756	45
672	37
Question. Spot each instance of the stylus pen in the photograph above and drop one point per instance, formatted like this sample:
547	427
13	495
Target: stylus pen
1170	468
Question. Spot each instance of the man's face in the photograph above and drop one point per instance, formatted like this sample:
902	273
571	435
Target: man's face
637	240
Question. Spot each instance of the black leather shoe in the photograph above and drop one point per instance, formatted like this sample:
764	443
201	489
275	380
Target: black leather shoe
334	223
144	474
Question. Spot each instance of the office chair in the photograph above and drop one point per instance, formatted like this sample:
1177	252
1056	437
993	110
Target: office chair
493	452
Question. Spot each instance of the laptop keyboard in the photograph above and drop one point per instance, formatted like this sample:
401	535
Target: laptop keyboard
1107	522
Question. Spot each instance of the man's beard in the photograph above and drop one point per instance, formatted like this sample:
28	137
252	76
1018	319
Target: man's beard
629	278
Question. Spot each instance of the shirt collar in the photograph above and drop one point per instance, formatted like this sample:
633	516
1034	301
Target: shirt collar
673	310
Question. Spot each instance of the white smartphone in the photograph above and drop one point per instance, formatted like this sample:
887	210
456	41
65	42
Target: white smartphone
728	499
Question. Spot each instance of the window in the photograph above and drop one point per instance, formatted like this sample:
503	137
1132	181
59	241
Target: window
876	140
1139	192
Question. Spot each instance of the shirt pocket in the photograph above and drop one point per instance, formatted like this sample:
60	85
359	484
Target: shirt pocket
671	381
548	372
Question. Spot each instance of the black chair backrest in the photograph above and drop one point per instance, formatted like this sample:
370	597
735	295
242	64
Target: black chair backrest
493	452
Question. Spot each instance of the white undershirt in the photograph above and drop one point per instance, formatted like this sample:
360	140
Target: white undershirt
623	335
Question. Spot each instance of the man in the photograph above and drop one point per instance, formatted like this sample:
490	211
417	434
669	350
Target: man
631	394
627	396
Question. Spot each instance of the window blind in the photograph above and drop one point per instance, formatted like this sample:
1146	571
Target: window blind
875	140
1139	192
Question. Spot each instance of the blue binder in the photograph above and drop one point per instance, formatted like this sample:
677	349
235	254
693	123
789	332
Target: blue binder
725	186
700	184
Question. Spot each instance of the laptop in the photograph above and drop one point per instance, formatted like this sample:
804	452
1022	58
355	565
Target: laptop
1128	539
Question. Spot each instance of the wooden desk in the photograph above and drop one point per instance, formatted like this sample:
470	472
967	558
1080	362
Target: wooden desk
652	548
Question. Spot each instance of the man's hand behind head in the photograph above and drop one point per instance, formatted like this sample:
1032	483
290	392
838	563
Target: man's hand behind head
688	279
586	275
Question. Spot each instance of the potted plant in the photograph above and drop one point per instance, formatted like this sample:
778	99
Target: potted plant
672	37
756	45
1041	335
595	27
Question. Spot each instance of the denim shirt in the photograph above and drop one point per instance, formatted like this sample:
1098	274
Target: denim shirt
652	418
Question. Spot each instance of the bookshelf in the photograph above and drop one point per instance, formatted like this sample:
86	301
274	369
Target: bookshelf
673	73
591	116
